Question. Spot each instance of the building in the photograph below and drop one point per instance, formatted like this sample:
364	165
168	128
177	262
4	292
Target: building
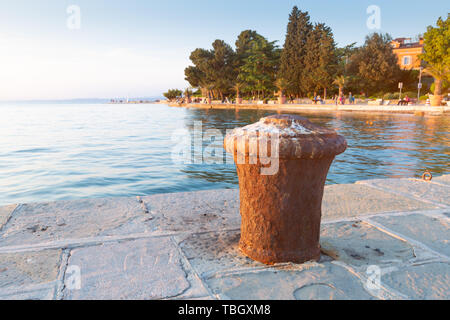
408	52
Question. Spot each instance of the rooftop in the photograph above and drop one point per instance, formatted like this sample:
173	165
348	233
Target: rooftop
404	43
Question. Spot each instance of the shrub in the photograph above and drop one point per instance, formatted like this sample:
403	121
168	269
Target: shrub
410	94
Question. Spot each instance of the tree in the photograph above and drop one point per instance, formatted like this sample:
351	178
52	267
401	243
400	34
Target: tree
238	86
282	85
375	64
213	70
187	95
320	59
436	54
243	44
199	75
292	66
341	81
223	72
260	67
172	94
343	57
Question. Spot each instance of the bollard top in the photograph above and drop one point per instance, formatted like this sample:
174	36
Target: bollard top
295	137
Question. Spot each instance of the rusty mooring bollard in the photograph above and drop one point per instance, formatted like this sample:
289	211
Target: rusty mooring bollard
281	209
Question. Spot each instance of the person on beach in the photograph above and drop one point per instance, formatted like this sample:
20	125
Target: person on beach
404	102
407	100
351	98
315	98
319	99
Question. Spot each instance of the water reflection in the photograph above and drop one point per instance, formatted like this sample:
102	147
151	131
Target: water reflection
54	152
380	145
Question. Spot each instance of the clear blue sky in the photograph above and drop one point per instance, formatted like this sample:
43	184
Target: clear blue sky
141	47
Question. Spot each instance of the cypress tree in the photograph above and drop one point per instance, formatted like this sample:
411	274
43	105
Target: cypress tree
320	59
292	67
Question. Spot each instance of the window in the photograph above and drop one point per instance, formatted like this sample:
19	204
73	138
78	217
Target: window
406	60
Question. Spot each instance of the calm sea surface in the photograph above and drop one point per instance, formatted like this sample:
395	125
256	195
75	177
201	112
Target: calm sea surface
54	152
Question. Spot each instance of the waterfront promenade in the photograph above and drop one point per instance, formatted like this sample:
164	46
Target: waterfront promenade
322	107
184	246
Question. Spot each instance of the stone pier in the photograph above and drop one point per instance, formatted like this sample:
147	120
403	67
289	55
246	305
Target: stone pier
381	239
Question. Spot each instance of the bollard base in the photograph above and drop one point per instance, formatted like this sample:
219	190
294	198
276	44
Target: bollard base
271	257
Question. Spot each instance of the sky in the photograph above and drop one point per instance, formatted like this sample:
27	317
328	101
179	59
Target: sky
139	48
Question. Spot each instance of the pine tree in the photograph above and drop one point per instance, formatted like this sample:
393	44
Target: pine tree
292	67
260	67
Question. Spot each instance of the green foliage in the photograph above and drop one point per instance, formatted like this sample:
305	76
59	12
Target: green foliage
374	65
320	58
437	45
213	69
341	82
436	54
260	66
172	94
444	88
310	61
292	67
343	57
282	85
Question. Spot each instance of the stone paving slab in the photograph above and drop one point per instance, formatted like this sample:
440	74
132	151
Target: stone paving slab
140	269
215	252
46	222
445	179
359	245
28	269
312	281
5	213
195	211
351	200
419	189
185	246
421	282
219	209
432	231
46	293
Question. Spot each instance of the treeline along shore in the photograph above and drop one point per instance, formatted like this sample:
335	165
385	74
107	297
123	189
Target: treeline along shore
311	65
